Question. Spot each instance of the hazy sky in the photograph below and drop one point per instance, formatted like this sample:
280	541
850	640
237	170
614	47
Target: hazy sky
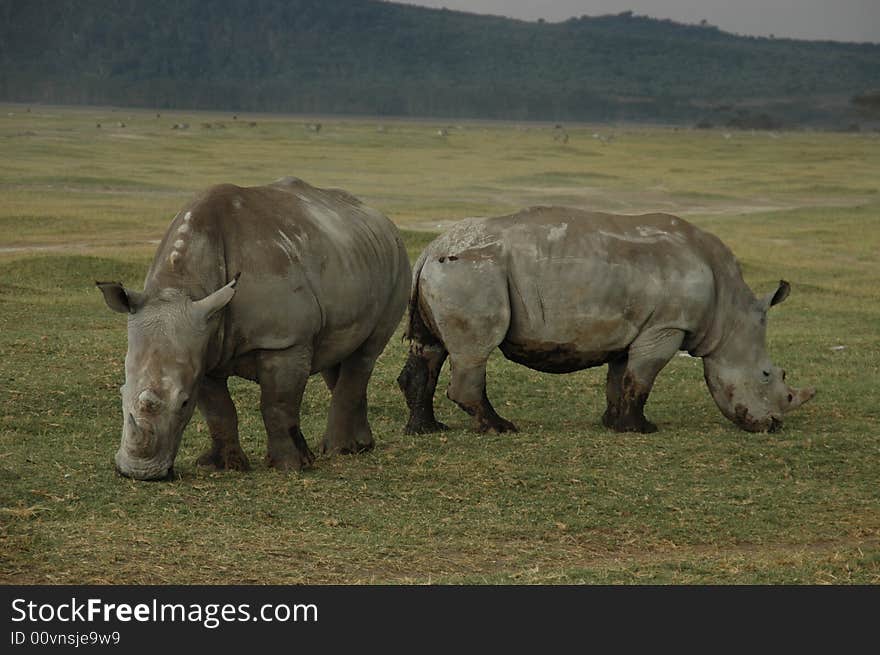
839	20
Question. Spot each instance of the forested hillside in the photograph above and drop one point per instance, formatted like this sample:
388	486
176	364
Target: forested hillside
370	57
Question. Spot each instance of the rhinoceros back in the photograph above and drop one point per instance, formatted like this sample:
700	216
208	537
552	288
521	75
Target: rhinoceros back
316	264
583	285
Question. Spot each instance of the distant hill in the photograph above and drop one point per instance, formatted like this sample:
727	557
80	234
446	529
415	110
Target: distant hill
370	57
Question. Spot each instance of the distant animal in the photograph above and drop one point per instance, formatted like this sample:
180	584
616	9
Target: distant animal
270	283
560	290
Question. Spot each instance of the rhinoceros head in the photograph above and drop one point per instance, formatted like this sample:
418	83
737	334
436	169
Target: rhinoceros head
746	386
168	336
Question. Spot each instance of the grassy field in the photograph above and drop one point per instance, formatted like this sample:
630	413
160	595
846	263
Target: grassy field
564	500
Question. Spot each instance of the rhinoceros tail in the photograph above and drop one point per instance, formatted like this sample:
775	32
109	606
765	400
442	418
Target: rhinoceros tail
416	329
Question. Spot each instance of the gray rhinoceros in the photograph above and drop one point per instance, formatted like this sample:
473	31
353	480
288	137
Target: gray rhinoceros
560	290
324	282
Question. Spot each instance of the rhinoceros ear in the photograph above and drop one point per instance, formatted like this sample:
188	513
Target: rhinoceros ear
120	299
777	296
208	306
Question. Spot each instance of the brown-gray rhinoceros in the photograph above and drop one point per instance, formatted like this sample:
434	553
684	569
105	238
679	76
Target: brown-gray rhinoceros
324	282
560	290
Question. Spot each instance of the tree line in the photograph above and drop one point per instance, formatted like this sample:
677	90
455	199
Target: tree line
370	57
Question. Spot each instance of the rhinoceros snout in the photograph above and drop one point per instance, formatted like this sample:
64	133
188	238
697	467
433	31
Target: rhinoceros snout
145	470
167	476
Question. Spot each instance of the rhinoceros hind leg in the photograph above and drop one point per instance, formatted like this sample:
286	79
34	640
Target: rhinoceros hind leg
291	454
418	381
468	390
283	375
216	406
348	430
468	300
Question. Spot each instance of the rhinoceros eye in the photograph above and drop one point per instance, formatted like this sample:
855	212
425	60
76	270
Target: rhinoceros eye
766	374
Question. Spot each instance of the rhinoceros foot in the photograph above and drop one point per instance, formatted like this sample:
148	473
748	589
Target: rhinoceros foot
224	458
332	444
495	424
291	454
486	419
627	423
424	427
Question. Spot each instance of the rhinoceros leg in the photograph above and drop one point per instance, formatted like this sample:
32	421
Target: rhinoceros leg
468	301
216	406
418	377
331	376
418	381
631	377
468	390
348	430
283	375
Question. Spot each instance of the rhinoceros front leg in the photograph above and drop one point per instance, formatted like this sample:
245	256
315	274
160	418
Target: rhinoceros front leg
631	377
283	375
216	406
626	400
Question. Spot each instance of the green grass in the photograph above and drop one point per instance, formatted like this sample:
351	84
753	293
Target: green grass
562	501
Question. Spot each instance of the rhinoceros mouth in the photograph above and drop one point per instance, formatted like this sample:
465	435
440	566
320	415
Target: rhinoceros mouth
168	476
745	421
145	470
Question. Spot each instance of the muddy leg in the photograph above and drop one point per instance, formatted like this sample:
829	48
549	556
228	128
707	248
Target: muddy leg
468	390
614	391
418	381
283	375
631	378
626	413
216	406
466	297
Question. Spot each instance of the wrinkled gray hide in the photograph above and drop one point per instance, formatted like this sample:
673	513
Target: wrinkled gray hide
323	284
560	290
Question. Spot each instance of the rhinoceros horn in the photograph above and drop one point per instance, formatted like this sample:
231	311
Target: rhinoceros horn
139	437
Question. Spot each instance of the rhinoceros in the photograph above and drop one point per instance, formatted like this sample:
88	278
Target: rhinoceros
270	283
560	290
